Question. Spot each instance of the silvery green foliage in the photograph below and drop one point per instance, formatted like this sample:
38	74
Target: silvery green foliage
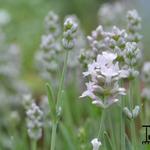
69	34
132	114
34	122
146	79
133	26
103	87
116	16
96	144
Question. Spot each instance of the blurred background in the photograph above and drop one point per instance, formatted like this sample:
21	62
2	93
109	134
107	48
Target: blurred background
23	33
26	25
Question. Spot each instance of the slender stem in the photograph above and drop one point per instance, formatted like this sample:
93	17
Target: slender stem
133	134
53	139
123	147
112	131
62	80
34	144
101	123
58	103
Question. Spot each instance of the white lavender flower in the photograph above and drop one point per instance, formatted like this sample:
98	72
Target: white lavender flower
100	40
50	48
133	26
81	42
96	144
131	58
34	122
103	87
70	29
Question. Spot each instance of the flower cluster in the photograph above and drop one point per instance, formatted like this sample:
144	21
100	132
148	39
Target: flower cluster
116	41
100	40
70	29
103	87
133	26
146	80
34	122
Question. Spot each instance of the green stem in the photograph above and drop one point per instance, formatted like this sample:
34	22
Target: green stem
112	132
34	144
53	139
133	134
62	81
101	123
123	147
58	104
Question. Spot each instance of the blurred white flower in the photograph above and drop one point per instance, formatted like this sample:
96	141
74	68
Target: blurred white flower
146	73
116	16
146	79
52	25
133	26
96	144
4	17
34	122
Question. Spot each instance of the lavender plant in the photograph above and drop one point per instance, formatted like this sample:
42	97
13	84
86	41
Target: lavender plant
113	56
